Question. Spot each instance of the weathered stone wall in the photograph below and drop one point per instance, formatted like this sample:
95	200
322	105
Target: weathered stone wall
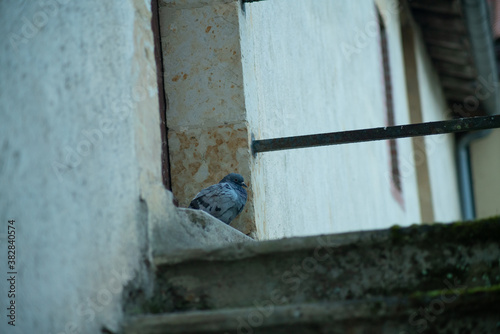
80	144
208	133
80	165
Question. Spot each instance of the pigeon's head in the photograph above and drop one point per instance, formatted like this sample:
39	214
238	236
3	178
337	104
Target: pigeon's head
234	178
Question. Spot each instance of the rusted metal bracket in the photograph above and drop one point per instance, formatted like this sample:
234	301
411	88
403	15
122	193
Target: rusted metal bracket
382	133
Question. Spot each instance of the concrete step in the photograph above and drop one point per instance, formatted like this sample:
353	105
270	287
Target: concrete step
331	268
467	312
192	229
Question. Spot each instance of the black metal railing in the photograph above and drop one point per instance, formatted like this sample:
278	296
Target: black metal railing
382	133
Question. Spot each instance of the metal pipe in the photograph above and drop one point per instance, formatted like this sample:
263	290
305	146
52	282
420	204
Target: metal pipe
481	38
382	133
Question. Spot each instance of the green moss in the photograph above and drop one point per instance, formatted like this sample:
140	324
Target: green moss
428	294
486	289
437	293
465	233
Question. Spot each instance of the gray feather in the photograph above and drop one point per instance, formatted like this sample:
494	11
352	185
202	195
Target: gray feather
224	200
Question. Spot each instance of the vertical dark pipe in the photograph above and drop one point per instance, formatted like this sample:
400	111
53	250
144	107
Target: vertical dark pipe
481	37
165	163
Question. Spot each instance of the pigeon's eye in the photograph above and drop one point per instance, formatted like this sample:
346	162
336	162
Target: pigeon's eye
235	180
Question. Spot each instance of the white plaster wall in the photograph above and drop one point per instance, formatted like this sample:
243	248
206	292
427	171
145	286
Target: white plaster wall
80	142
440	148
298	80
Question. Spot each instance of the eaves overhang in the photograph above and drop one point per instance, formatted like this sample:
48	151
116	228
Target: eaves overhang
458	38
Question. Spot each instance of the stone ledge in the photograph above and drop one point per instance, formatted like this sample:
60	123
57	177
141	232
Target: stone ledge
472	311
460	232
203	223
394	262
203	232
188	4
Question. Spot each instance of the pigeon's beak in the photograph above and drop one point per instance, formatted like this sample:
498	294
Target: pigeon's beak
244	185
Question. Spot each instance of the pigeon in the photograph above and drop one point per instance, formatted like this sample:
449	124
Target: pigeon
224	200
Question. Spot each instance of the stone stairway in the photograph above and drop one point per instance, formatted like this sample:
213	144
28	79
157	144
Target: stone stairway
441	278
